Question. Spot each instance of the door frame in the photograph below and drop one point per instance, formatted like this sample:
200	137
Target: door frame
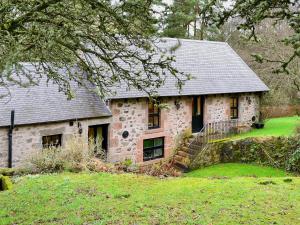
104	134
197	119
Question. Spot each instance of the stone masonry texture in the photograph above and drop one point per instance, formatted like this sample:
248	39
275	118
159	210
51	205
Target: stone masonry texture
27	139
130	115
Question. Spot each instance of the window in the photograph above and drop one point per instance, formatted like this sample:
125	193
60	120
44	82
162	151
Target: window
153	148
153	116
52	141
234	107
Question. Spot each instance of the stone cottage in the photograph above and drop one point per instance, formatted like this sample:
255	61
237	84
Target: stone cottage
223	88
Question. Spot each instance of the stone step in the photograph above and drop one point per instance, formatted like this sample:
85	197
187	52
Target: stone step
180	158
181	166
183	154
194	152
195	146
184	149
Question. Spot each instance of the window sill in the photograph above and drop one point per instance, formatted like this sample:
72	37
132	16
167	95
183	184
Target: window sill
154	130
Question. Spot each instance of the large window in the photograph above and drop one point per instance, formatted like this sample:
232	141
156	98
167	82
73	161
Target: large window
153	116
153	148
234	107
51	141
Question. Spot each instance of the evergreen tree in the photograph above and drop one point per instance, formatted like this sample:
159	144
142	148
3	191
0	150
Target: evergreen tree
193	19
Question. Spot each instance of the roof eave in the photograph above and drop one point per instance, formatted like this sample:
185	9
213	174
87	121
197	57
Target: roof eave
57	121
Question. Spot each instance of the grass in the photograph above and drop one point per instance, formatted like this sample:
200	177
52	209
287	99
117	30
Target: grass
237	170
130	199
284	126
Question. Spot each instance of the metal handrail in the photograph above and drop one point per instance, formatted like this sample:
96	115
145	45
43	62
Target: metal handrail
216	130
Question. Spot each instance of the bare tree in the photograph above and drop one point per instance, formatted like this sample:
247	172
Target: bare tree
95	43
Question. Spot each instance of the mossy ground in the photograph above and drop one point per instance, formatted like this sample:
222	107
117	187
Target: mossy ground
90	198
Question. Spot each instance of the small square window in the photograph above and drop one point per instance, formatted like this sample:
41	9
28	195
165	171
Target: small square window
153	148
52	141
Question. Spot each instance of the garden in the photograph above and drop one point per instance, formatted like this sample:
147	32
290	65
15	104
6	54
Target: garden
81	190
208	197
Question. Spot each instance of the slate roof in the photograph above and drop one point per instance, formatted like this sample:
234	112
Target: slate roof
216	69
215	66
44	103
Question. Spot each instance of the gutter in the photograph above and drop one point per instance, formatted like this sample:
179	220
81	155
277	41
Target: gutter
10	137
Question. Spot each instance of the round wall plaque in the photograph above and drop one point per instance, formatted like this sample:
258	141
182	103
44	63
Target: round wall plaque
125	134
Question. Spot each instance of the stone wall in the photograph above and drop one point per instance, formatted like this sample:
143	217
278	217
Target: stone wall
248	107
27	139
132	115
280	152
217	108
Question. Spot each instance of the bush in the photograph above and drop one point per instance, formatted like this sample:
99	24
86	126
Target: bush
48	160
293	163
5	183
7	171
97	165
78	156
75	156
163	168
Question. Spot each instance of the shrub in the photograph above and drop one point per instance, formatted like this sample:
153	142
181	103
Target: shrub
78	156
163	168
97	165
7	171
75	156
5	183
48	160
293	163
126	166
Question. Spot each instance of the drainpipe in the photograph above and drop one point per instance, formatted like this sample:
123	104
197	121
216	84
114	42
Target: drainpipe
10	135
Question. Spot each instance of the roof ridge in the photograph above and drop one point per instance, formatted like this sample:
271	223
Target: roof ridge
193	40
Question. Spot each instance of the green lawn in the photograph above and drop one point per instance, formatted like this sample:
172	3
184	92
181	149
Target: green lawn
284	126
237	170
130	199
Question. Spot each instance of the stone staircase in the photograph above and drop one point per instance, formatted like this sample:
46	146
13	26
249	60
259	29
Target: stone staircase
200	142
187	153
